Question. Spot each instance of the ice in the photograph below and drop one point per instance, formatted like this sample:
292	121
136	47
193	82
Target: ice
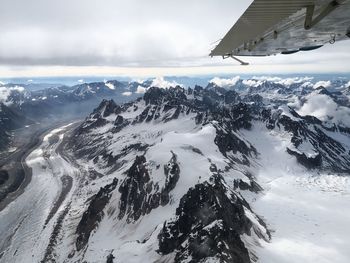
305	211
23	237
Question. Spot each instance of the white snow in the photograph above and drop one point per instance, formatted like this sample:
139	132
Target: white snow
343	138
180	137
306	211
131	113
22	236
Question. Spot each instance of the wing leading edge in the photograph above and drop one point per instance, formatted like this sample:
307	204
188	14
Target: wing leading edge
270	27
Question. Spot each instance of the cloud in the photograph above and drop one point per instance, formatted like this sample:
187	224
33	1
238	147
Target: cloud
294	102
135	34
5	93
347	85
130	33
284	81
252	82
127	93
307	84
287	82
325	84
297	80
160	82
324	108
110	85
141	90
224	82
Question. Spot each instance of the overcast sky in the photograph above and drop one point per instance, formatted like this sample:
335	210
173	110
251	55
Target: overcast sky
135	37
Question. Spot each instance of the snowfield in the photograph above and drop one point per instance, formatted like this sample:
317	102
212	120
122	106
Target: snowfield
307	212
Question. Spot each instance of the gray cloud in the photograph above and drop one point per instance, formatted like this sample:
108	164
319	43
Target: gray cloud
133	33
91	32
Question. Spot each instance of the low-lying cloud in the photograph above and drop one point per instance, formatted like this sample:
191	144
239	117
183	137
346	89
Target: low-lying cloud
5	93
133	34
324	108
324	84
127	93
222	82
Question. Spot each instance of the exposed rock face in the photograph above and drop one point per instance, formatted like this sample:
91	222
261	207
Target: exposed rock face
308	161
252	186
306	134
97	117
154	95
93	215
208	224
106	108
172	173
139	195
228	142
135	190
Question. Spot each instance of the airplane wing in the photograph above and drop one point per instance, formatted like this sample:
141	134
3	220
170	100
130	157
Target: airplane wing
270	27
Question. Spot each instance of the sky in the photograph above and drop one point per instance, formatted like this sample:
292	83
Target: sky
136	38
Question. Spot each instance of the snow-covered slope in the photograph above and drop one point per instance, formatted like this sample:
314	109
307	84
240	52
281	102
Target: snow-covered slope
184	168
202	175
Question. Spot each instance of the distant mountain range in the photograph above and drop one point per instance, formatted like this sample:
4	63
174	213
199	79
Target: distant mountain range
32	101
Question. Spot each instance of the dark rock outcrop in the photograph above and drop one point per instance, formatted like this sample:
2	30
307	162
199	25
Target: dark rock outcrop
252	186
208	223
94	214
139	195
311	162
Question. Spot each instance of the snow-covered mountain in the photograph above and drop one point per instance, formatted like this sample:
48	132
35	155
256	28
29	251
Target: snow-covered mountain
64	100
234	172
20	102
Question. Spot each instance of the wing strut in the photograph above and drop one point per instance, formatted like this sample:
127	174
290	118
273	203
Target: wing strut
235	58
310	21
